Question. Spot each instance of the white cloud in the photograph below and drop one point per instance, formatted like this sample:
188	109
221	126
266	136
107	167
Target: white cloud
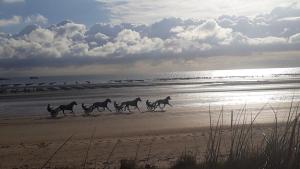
69	43
37	19
126	43
290	19
208	30
11	21
267	40
40	35
295	38
101	36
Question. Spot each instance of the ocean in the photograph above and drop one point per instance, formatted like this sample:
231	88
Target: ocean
192	93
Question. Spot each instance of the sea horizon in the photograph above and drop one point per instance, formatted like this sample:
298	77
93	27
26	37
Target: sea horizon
183	75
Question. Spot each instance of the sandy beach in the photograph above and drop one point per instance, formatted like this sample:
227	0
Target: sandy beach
154	138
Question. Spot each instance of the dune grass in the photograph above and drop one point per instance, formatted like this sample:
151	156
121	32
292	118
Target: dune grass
277	149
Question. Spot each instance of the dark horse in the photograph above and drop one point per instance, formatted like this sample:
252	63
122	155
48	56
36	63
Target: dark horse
53	112
163	102
150	106
132	103
103	105
87	110
69	106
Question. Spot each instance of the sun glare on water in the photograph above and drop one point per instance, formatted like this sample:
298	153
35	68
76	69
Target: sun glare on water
249	72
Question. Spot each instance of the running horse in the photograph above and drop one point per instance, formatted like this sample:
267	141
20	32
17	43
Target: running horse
69	107
103	105
163	102
133	103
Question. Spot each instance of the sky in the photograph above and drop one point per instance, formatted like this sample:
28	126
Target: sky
83	37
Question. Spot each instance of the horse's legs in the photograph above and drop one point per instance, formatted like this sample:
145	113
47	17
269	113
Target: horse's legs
138	108
73	112
108	109
64	112
162	107
170	104
153	107
128	108
99	109
156	105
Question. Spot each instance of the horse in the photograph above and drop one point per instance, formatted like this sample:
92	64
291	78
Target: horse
132	103
150	106
69	106
53	112
118	107
163	102
87	110
103	105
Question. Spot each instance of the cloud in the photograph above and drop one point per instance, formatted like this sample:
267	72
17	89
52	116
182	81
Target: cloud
295	38
36	19
207	31
68	43
281	21
146	12
11	21
290	19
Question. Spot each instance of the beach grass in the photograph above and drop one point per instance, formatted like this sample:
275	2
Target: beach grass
277	149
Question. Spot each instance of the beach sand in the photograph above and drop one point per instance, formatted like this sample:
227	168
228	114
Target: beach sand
155	138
